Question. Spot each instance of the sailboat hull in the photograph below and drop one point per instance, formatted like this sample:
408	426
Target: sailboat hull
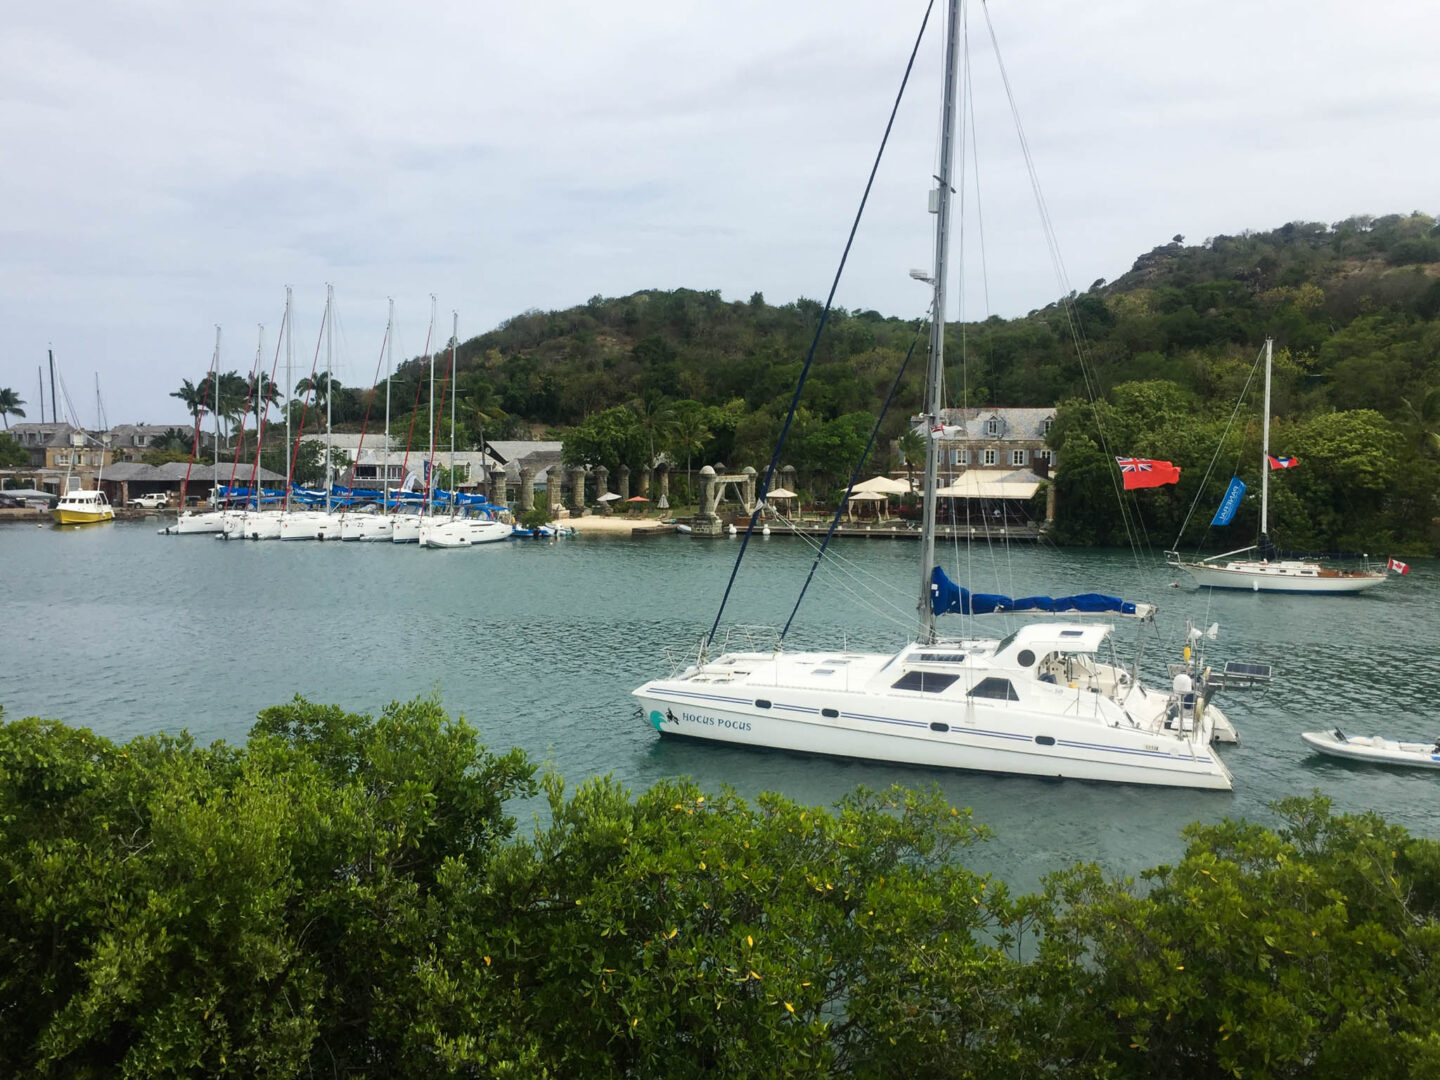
770	700
1284	577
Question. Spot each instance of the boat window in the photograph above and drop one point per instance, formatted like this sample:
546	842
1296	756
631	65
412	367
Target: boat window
927	682
1045	740
1006	642
1000	689
1026	658
1072	633
823	671
831	713
940	658
836	662
761	703
938	726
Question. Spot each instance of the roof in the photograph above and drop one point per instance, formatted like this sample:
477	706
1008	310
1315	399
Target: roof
883	484
1016	424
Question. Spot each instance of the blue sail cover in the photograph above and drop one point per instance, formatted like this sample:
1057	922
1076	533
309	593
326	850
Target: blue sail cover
947	598
1230	503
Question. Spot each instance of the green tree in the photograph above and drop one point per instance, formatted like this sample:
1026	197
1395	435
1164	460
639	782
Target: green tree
611	438
10	403
12	454
195	397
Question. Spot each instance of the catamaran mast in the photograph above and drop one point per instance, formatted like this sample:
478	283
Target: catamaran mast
934	372
389	344
1265	460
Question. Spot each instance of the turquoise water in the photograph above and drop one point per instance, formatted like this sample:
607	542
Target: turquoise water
539	645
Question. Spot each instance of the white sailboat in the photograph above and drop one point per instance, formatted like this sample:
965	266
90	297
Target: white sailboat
1040	702
213	520
1263	573
473	527
312	524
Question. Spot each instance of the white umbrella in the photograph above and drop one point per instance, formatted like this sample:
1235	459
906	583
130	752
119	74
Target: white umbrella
609	496
779	493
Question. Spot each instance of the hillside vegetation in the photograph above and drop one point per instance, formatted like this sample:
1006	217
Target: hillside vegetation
1354	309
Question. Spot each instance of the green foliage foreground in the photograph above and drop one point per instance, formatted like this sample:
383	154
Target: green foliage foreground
347	896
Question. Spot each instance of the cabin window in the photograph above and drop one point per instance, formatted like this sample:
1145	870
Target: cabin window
927	682
761	703
1044	740
831	713
823	671
998	689
942	728
940	658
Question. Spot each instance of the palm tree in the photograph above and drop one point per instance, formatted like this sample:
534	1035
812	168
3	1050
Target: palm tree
912	448
322	385
233	398
689	435
657	419
196	398
10	402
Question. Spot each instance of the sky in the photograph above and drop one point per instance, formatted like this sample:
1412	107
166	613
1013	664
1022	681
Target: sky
169	167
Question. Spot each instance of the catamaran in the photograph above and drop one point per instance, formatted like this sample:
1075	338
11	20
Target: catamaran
1038	702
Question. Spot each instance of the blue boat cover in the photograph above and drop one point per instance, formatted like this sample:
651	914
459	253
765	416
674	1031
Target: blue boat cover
948	598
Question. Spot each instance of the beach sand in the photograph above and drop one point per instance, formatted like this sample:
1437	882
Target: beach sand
615	525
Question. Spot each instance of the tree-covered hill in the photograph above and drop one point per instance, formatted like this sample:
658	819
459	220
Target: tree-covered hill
1166	348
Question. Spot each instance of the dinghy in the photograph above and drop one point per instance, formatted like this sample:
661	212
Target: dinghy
1374	748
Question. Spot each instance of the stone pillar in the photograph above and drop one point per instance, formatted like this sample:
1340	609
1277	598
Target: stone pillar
602	486
707	494
665	482
554	481
747	493
645	475
527	488
622	482
577	490
499	477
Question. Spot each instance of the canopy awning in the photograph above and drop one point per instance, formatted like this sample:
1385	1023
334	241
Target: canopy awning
971	486
780	493
883	484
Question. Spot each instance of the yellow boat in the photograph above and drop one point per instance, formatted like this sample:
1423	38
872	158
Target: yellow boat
82	508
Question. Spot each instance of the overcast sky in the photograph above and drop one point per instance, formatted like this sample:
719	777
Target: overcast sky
169	166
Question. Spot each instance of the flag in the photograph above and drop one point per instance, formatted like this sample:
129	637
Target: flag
1282	462
1145	473
1398	566
1230	503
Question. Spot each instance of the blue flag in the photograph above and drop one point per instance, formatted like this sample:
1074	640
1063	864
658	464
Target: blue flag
1230	503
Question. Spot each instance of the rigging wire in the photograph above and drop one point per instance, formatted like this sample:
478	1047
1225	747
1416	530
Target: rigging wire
819	329
854	476
1077	332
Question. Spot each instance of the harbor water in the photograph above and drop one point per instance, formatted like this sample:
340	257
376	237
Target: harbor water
539	645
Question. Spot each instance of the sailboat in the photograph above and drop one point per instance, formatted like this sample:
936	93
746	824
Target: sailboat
213	520
1039	702
376	525
1265	573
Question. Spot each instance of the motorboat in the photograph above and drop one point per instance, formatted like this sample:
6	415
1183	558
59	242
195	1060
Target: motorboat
83	506
1375	749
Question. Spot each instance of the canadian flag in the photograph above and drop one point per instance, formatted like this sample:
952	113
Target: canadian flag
1398	566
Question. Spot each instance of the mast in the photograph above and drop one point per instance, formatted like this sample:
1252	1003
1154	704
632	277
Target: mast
54	401
40	377
430	471
934	372
215	408
389	344
1265	459
329	339
454	344
289	382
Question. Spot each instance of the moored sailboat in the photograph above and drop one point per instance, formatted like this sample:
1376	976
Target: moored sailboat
1265	572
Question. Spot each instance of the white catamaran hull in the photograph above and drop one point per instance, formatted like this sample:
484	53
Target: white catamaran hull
1293	577
762	700
462	532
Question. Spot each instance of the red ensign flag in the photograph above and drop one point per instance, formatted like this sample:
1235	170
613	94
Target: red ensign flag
1145	473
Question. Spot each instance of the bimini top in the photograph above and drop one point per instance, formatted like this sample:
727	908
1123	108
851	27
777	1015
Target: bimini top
948	598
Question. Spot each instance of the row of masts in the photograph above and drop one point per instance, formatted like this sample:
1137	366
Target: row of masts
259	395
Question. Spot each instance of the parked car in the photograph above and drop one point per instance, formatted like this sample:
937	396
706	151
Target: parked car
150	502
